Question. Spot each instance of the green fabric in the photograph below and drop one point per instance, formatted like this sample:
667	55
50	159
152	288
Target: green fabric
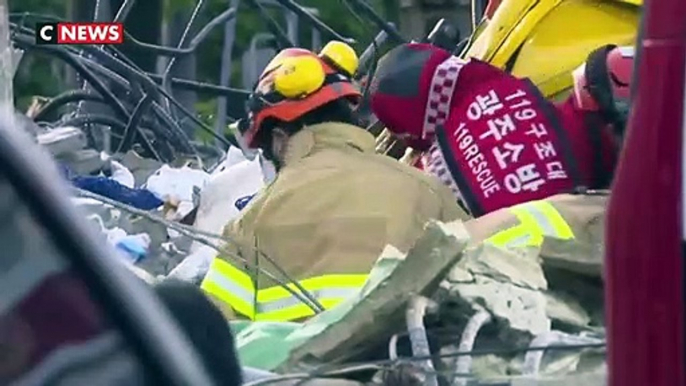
266	345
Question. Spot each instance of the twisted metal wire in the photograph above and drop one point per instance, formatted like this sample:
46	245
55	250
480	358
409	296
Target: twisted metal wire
386	364
202	237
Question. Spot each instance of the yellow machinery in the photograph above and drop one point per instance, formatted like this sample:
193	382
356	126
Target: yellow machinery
545	40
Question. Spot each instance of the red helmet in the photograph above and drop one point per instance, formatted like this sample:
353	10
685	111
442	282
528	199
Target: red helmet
603	82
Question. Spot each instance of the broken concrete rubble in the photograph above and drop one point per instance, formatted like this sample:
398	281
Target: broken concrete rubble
514	296
62	140
584	254
83	162
586	379
140	167
426	262
165	253
517	315
513	287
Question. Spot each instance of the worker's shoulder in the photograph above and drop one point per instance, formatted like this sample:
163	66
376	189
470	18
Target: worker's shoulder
373	168
401	170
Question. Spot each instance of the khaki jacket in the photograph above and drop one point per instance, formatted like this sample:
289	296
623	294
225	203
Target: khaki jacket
334	206
569	229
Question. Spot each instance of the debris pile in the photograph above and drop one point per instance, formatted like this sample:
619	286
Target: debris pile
453	310
446	297
487	312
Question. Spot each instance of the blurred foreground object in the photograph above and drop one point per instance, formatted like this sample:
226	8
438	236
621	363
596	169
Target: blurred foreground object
111	329
646	273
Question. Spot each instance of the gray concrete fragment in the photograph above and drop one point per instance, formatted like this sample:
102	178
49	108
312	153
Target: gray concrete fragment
507	284
141	168
61	140
566	309
520	309
83	162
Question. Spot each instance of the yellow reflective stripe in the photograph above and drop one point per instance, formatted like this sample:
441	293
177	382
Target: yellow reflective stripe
295	312
562	229
230	285
237	303
312	284
227	269
277	303
528	222
537	220
509	236
235	288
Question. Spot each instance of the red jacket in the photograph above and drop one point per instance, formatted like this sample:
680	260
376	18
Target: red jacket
493	138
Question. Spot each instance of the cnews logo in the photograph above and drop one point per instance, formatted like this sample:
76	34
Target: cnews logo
79	33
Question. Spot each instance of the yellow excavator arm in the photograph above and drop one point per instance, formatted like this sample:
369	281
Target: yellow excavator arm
545	40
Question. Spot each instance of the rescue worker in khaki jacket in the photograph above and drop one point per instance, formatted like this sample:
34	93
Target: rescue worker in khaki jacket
334	205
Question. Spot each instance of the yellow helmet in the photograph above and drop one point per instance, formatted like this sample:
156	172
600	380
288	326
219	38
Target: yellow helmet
341	56
298	81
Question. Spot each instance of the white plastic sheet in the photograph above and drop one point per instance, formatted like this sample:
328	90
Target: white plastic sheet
229	190
227	193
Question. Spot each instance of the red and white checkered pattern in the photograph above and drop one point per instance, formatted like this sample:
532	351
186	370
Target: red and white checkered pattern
441	93
434	164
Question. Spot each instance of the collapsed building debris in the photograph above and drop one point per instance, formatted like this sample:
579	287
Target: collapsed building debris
487	315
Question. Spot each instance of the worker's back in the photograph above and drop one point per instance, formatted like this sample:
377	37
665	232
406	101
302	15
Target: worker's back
335	205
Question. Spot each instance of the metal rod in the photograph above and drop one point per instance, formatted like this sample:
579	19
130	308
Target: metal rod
133	122
282	39
463	364
182	40
223	17
367	9
124	10
195	234
226	69
414	317
64	54
300	11
370	51
187	84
